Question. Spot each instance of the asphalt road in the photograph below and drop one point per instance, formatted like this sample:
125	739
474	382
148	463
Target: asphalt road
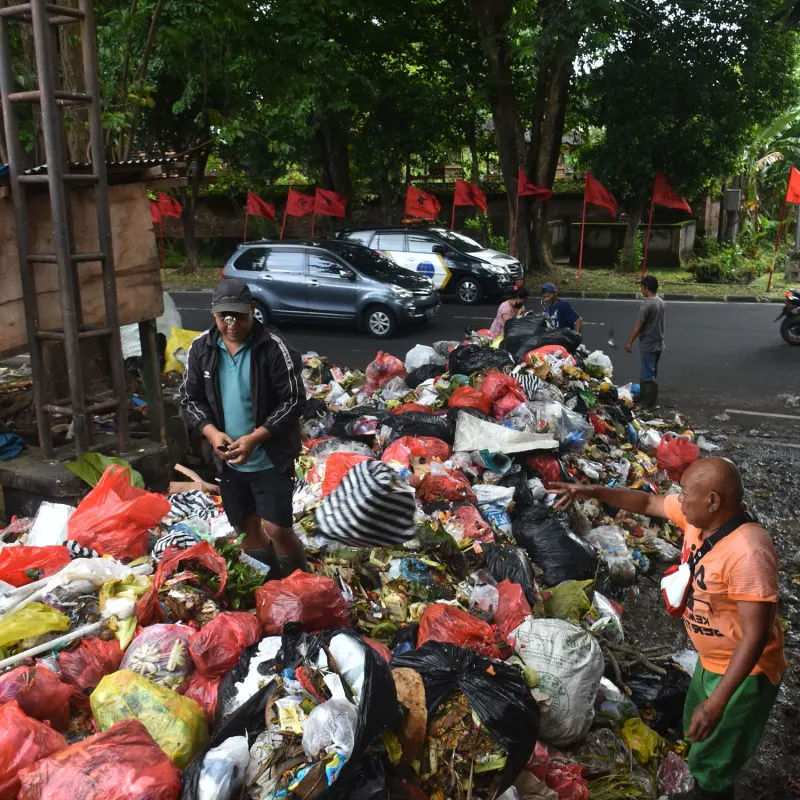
718	356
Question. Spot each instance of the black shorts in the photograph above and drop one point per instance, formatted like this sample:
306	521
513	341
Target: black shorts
267	493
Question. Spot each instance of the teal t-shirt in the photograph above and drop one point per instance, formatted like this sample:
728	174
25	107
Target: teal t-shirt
237	406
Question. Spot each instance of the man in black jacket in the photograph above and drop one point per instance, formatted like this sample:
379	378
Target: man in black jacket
243	390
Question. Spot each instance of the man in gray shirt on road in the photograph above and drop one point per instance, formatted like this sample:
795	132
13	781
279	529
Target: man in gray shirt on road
649	329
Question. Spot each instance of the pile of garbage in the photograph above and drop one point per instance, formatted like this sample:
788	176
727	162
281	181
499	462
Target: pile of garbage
457	637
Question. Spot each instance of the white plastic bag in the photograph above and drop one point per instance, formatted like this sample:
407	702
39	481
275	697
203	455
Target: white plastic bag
473	434
222	773
349	655
331	728
609	542
600	360
395	389
570	665
49	525
420	355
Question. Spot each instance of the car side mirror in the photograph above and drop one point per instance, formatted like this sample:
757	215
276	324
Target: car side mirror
348	274
439	248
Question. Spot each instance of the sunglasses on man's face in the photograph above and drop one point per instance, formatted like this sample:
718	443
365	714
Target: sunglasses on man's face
231	318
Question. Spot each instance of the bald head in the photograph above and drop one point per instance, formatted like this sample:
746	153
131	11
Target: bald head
712	492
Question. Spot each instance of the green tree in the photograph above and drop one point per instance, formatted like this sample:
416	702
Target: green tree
681	90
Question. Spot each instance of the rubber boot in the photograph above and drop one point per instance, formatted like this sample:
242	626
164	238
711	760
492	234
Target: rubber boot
266	555
289	564
648	394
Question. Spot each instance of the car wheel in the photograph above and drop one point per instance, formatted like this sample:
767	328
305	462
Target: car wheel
790	330
260	314
469	291
380	322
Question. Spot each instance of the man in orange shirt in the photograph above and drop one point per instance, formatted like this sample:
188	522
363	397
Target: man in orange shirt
730	617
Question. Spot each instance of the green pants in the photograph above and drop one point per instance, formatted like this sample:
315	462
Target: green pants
716	762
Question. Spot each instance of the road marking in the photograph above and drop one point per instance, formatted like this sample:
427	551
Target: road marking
761	414
775	443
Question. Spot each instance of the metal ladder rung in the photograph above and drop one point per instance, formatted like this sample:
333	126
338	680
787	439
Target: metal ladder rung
75	258
88	333
24	10
73	177
95	407
62	97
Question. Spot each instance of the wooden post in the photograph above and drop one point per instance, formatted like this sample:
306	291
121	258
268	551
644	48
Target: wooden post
246	217
516	218
580	250
453	216
161	239
313	220
151	378
283	224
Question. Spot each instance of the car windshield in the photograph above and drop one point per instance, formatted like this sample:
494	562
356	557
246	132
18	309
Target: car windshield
366	261
462	243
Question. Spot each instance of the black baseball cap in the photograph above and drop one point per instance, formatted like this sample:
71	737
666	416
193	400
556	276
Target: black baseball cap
650	282
232	295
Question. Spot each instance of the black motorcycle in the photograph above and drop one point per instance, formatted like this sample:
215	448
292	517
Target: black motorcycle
790	327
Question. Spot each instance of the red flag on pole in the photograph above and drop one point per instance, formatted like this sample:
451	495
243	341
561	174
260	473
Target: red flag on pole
168	206
329	203
595	193
299	204
526	188
469	194
258	207
664	195
420	204
155	213
792	196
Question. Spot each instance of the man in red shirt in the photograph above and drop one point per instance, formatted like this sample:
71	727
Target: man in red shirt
730	617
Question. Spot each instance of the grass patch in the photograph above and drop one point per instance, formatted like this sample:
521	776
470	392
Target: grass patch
671	281
177	280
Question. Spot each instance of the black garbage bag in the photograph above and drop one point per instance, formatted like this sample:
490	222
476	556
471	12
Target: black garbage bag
378	710
496	692
418	423
453	414
546	539
665	694
511	563
568	339
519	329
517	479
344	423
424	373
469	358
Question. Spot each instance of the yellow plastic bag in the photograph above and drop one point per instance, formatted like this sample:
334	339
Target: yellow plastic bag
568	601
178	724
178	348
31	621
644	742
118	599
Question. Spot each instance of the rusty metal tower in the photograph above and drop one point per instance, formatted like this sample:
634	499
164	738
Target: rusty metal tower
80	406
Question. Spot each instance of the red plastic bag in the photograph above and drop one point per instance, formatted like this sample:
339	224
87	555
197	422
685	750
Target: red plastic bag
452	486
23	565
675	454
215	649
337	466
114	517
312	600
40	694
23	741
443	623
560	774
498	384
512	607
380	648
505	405
402	449
411	407
561	353
160	653
548	467
89	662
382	370
467	397
475	526
123	763
204	690
148	609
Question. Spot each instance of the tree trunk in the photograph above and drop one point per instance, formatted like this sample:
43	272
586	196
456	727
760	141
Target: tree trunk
332	138
196	169
472	140
76	123
492	17
630	259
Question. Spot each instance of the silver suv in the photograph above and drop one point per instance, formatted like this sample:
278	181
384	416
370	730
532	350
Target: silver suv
332	281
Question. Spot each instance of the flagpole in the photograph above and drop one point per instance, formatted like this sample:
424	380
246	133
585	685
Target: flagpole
777	245
283	224
516	218
313	220
453	216
583	225
649	226
163	259
246	217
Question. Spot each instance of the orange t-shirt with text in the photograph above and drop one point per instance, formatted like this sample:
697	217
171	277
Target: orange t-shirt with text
741	567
